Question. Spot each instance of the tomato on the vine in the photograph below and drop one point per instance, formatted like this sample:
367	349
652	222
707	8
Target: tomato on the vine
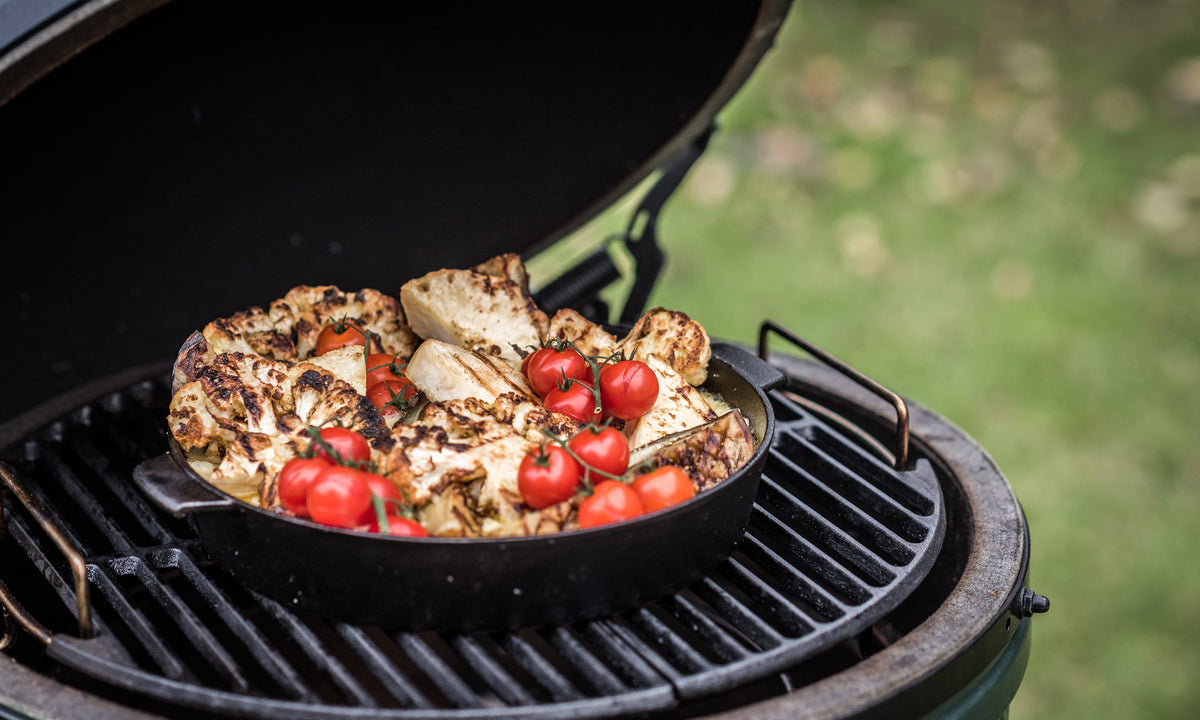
385	491
577	401
547	476
628	389
547	367
663	487
610	502
343	495
381	366
398	525
605	450
382	488
340	333
294	480
339	497
349	445
391	396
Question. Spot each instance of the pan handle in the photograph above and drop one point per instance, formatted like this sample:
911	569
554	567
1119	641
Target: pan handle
759	373
769	326
169	487
74	558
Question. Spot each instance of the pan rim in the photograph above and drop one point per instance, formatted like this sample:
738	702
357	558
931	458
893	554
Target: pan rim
762	446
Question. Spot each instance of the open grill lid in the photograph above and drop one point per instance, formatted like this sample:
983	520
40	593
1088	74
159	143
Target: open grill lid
216	153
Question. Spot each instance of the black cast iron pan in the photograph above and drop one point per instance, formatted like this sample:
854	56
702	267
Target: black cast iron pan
460	584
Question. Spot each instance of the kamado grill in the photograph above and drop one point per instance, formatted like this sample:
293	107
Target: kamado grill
168	162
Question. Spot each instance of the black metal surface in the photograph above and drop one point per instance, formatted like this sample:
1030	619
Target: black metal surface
355	143
837	539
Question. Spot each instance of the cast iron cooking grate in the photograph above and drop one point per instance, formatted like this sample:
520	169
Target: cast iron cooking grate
836	540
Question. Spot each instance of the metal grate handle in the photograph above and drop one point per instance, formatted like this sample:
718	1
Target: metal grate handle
770	326
74	559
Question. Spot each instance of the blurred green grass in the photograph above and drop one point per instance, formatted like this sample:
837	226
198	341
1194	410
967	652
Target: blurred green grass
994	208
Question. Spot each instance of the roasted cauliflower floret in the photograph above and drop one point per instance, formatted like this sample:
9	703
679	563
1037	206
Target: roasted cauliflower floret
458	464
530	419
674	337
288	330
679	406
480	312
444	371
236	393
588	337
708	454
508	266
249	415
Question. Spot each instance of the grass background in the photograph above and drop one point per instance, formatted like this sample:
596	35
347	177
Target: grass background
994	209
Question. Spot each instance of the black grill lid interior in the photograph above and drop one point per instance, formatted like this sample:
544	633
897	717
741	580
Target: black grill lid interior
199	157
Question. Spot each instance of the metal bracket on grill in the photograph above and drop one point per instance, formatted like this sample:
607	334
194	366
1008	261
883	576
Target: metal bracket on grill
581	283
770	326
74	559
10	625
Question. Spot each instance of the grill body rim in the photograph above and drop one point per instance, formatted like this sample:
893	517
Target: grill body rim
974	626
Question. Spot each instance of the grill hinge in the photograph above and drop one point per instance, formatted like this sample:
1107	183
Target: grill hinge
579	286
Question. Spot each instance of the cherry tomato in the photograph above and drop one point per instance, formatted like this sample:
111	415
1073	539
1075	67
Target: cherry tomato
294	480
399	526
393	507
381	366
577	401
382	488
628	389
610	502
547	476
397	523
546	368
663	487
605	450
339	497
340	333
391	396
349	445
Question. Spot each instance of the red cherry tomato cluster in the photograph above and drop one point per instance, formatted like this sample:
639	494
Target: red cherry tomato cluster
663	487
548	367
547	477
612	501
333	488
599	458
387	387
338	334
604	449
566	381
628	389
576	400
342	446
